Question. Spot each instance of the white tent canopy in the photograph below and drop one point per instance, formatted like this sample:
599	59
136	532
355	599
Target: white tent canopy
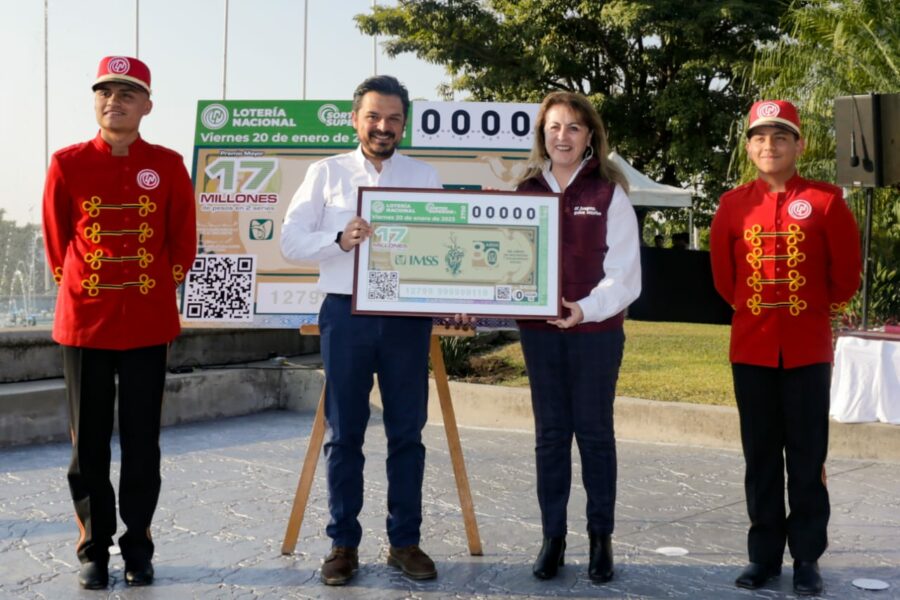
646	192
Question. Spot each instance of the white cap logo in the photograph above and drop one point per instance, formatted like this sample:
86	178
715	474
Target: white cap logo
148	179
118	65
800	209
767	109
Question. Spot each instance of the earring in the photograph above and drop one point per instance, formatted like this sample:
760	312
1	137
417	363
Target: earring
590	153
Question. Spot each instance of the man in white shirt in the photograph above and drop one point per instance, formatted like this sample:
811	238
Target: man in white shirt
321	224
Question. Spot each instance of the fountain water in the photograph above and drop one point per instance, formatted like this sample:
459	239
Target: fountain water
26	296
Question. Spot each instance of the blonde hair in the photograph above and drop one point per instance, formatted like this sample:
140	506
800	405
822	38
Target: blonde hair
586	112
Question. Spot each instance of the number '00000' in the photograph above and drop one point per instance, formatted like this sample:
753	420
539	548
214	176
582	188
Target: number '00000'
503	212
461	122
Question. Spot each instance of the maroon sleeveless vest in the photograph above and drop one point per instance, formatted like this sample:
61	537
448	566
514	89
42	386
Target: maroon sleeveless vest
583	219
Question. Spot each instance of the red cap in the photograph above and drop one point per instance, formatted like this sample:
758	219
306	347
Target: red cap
774	113
123	69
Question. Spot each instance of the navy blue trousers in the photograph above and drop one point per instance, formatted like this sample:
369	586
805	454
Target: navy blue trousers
784	423
573	385
91	391
354	348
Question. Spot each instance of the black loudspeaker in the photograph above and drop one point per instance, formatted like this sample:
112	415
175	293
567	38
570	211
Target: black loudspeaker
867	132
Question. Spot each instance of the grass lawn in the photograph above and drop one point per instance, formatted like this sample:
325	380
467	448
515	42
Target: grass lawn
679	362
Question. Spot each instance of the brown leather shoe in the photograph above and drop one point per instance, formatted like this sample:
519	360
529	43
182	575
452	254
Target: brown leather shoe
414	563
340	565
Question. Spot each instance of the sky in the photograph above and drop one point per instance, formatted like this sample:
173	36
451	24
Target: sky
183	42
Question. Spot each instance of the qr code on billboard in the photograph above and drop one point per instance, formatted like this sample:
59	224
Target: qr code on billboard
384	285
503	292
219	287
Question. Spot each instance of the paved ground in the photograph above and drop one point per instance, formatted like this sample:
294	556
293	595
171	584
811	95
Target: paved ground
228	485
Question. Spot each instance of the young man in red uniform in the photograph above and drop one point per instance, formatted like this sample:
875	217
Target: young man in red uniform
785	254
120	234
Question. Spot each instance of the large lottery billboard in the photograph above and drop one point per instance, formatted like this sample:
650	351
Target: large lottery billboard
251	156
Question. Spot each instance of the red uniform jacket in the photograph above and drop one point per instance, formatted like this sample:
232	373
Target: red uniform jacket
120	234
784	261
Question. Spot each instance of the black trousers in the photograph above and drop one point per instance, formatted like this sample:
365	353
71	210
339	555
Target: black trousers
573	386
91	391
784	423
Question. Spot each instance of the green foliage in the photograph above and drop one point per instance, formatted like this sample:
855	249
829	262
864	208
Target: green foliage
834	48
665	74
667	222
457	351
884	284
839	48
462	354
884	301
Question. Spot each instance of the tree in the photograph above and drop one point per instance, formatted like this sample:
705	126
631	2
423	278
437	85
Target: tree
664	74
840	48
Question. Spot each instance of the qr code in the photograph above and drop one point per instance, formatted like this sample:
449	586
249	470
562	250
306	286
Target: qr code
503	292
219	287
384	285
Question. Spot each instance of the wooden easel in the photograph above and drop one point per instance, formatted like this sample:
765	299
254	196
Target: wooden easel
317	436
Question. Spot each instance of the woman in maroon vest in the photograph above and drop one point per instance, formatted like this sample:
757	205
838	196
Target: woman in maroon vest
573	362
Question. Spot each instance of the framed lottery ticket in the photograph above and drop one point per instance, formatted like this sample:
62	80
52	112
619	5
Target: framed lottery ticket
446	252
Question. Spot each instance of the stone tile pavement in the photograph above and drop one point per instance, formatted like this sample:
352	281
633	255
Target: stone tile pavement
228	486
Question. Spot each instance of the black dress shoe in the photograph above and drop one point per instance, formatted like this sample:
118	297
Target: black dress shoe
755	575
600	567
94	575
550	558
138	572
807	580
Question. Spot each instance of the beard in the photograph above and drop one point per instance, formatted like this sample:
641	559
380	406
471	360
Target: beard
380	147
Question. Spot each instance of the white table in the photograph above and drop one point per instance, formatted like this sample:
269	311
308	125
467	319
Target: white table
865	384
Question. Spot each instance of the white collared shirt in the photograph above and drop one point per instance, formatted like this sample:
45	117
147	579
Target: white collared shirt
327	200
550	178
621	284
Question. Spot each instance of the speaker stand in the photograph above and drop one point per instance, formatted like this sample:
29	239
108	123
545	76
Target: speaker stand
867	242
